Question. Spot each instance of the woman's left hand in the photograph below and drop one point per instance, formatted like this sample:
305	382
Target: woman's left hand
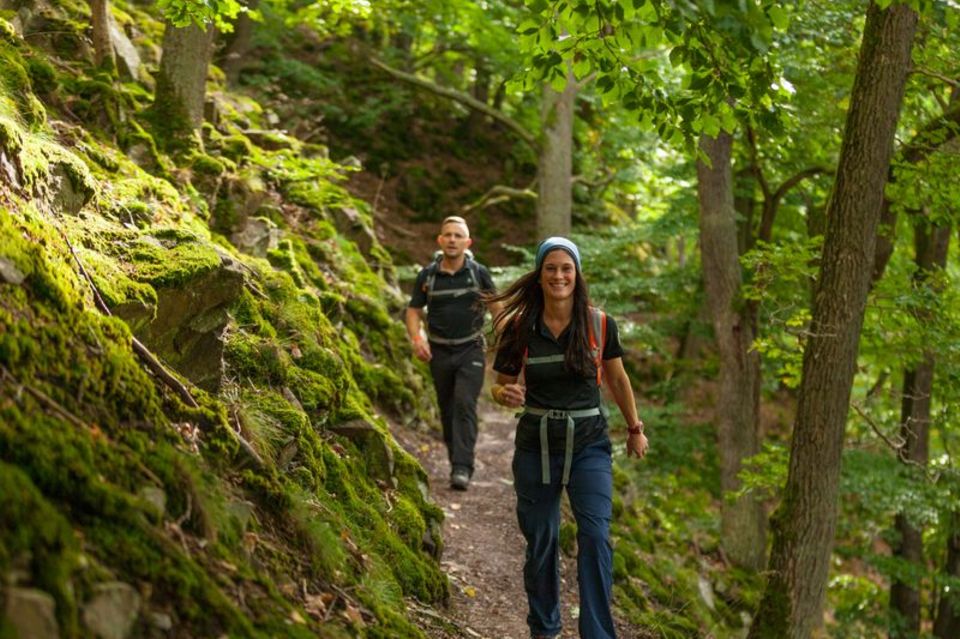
637	445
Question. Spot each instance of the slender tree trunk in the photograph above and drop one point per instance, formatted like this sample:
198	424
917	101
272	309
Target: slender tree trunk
476	121
933	136
804	526
931	244
241	41
555	201
746	206
947	624
743	521
102	45
181	82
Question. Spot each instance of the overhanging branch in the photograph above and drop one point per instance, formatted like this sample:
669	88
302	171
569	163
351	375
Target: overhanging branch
498	194
463	99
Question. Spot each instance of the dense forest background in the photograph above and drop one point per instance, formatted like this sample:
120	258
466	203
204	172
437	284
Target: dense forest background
209	211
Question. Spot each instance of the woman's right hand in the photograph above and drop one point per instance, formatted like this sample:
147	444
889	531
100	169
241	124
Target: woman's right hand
512	395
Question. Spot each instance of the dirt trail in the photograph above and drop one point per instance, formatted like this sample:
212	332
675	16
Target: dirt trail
483	555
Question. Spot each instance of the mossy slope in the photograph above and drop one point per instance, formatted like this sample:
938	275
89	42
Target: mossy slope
285	507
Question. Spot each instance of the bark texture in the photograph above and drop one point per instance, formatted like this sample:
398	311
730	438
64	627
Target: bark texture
102	45
743	520
804	526
931	244
947	624
182	79
555	201
240	44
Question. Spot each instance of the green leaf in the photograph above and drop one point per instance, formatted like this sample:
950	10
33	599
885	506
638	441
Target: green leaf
559	81
605	83
528	26
677	55
779	17
709	124
582	68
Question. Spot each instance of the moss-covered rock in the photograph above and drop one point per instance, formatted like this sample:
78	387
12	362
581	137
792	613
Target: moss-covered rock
228	516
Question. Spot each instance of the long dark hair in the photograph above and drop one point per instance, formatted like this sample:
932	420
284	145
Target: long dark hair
523	306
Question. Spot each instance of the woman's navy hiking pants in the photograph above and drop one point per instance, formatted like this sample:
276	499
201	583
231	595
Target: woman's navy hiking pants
538	512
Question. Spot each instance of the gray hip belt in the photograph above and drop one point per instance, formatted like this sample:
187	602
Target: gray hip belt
455	341
546	414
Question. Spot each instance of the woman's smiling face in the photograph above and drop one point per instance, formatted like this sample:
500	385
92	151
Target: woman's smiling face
558	275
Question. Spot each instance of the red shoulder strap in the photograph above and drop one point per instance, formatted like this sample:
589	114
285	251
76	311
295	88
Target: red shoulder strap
598	323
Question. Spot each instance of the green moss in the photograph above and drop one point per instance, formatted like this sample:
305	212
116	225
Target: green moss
7	32
207	165
167	257
42	74
320	515
237	147
36	537
256	359
169	121
15	85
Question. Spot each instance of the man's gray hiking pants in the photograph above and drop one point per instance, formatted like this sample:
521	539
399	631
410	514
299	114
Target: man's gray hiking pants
458	377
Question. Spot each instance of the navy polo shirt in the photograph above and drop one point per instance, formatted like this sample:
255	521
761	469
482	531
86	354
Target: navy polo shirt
452	316
551	385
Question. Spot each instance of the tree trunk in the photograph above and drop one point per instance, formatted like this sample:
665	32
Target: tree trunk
476	121
930	245
933	136
743	521
947	624
241	41
804	526
181	81
102	45
555	201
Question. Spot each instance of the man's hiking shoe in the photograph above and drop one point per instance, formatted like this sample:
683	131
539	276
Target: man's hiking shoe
459	480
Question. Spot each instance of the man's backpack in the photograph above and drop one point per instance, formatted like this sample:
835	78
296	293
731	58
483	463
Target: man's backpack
473	274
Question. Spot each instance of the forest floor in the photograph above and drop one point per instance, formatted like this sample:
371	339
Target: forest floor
483	547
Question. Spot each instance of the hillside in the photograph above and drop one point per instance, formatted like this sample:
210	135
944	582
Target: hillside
195	376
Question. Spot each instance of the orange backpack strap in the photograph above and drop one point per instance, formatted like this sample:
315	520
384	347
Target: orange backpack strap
598	327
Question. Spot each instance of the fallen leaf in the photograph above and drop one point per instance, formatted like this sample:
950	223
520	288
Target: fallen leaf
353	615
316	605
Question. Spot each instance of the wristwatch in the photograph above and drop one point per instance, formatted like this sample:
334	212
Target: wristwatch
636	429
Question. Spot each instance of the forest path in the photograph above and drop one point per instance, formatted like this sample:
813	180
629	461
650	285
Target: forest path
483	552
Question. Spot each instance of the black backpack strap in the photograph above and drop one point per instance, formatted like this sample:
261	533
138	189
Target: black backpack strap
431	278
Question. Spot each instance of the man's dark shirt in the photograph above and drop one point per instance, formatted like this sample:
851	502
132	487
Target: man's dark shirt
553	386
452	316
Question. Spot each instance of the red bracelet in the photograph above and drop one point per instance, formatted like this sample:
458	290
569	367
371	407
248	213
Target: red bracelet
636	429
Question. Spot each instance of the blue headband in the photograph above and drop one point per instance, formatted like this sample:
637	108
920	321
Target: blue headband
552	243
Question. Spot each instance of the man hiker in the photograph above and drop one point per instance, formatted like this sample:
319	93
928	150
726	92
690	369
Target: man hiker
450	288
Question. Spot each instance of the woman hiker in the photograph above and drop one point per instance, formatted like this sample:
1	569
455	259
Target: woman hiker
552	350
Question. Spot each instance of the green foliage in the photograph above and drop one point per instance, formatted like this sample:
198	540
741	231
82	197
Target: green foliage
781	278
332	17
668	507
203	13
683	69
